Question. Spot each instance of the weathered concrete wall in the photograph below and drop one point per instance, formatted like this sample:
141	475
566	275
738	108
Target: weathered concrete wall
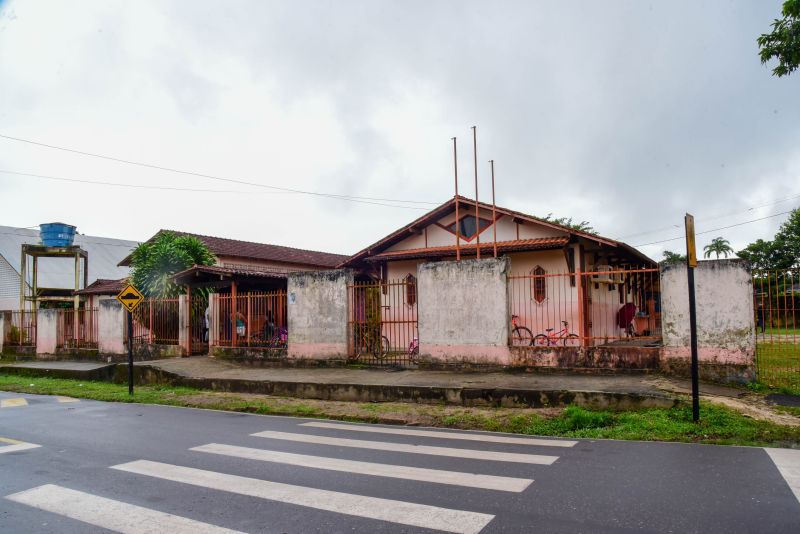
5	325
725	324
111	327
463	311
317	314
46	331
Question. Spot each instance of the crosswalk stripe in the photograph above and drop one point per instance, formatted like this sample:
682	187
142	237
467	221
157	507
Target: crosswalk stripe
67	399
12	403
405	513
788	463
110	514
489	438
15	445
414	449
438	476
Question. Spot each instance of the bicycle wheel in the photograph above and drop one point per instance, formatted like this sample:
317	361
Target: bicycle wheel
382	349
572	340
521	336
540	340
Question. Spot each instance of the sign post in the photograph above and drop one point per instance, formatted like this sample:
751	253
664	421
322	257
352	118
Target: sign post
691	263
130	297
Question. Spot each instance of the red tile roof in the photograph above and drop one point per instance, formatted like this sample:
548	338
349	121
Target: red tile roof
450	250
234	248
103	287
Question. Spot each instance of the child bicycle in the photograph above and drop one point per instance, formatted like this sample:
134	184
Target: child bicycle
552	338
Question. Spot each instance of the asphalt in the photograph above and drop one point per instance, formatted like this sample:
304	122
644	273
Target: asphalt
593	486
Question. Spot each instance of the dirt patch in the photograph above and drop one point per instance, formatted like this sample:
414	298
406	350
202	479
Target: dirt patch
747	403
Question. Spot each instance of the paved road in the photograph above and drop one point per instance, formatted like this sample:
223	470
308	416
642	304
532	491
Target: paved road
138	468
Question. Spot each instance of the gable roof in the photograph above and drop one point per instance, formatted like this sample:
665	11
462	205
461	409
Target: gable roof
101	286
234	248
449	206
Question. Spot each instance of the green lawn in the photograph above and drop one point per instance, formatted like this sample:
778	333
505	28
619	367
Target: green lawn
781	331
718	424
778	365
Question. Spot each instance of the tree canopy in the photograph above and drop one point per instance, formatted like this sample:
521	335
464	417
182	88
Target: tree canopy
781	253
153	263
671	258
583	226
783	43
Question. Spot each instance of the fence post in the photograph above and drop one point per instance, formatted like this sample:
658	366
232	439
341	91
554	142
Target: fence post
46	331
183	311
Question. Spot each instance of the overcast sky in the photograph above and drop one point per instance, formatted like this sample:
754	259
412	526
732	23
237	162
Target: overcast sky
625	114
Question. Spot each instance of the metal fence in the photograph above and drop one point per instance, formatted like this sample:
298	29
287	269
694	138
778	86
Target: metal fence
22	330
253	319
155	322
614	305
382	321
776	308
76	329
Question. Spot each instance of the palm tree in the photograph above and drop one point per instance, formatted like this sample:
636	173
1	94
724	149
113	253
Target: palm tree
718	246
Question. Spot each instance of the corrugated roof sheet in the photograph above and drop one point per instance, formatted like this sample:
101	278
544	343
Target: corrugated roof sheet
104	255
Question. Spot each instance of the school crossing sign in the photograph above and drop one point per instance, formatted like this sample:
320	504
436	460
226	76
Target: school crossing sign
130	297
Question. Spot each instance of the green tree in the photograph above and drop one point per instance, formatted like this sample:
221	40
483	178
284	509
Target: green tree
781	253
672	258
717	246
583	226
783	43
153	263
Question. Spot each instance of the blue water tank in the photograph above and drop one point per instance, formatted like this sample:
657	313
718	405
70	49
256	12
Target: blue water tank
56	234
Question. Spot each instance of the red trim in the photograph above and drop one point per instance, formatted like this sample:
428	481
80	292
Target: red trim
468	239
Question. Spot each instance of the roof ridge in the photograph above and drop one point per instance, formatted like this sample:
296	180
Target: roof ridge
254	242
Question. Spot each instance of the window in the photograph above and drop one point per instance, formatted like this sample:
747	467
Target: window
539	284
411	289
467	228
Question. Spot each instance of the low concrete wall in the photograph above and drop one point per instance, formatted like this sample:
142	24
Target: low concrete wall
111	327
463	312
725	325
46	331
586	358
4	324
317	314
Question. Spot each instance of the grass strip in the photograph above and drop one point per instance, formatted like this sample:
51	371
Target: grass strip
718	425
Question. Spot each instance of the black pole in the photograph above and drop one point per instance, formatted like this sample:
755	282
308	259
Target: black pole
130	353
693	334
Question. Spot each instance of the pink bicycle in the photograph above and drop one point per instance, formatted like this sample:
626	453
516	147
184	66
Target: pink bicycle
552	338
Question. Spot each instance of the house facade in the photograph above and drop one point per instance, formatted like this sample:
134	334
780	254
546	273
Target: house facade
573	282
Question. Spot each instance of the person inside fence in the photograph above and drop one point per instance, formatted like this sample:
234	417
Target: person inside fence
625	317
241	324
269	326
207	322
760	317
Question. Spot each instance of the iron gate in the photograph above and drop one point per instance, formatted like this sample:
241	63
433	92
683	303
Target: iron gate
776	307
382	322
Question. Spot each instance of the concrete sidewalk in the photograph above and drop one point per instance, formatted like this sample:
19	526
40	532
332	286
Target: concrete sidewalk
618	391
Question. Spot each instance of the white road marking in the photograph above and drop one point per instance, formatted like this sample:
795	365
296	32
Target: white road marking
13	403
110	514
14	445
489	438
405	513
67	399
788	463
438	476
414	449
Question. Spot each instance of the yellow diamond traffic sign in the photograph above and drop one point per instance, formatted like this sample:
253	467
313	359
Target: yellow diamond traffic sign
130	297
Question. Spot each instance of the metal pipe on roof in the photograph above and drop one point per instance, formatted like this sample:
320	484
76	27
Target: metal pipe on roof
494	212
477	219
455	169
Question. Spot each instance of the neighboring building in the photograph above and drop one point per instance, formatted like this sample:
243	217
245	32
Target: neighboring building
251	266
104	255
